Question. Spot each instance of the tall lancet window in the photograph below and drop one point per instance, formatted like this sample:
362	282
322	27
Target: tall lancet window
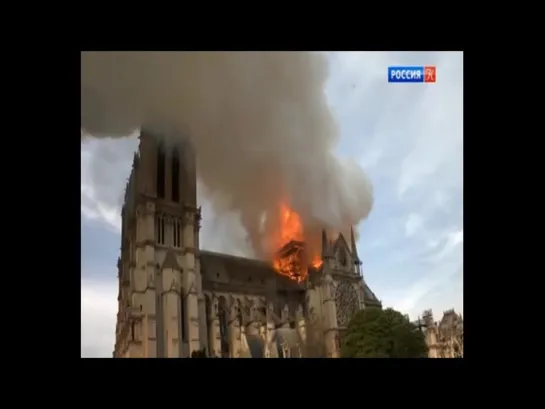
177	233
160	229
175	169
208	311
223	311
183	317
161	163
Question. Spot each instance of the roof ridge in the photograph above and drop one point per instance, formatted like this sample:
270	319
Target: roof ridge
225	255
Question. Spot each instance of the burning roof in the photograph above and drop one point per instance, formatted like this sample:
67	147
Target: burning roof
293	259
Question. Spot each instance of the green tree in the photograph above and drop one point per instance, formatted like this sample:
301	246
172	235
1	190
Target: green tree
376	333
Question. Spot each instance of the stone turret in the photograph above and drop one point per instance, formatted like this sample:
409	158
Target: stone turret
160	251
354	250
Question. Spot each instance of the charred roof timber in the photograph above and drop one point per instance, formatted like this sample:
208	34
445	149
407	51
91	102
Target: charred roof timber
292	247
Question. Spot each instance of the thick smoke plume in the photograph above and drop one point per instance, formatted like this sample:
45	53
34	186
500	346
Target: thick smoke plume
259	122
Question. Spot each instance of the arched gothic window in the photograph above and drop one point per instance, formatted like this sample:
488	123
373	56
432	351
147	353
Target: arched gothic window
224	329
343	258
208	312
182	316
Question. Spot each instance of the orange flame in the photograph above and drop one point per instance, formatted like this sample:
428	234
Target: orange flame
317	261
291	229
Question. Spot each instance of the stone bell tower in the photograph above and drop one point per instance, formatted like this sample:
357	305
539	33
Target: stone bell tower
161	300
322	310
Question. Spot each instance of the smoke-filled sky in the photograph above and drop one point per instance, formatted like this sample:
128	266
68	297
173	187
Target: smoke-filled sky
407	137
259	121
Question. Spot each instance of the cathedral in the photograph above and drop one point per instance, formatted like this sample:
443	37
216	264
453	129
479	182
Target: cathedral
445	339
178	301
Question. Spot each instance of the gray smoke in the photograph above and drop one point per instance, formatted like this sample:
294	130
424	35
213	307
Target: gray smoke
259	122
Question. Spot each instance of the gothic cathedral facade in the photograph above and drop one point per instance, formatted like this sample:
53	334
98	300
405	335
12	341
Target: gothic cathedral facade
175	299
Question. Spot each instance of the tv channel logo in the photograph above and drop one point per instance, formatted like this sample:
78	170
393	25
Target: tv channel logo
412	74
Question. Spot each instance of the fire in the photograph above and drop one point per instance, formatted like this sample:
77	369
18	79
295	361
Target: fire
316	261
291	229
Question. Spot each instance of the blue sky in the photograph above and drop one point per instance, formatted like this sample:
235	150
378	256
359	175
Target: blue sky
409	140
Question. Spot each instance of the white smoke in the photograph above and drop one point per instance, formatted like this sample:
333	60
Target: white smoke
259	121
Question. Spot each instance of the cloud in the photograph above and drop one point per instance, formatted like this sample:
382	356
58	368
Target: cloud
444	265
93	208
409	245
413	224
371	159
103	180
454	240
98	318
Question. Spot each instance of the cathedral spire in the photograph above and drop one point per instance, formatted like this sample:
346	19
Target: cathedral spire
325	245
354	249
135	160
353	245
